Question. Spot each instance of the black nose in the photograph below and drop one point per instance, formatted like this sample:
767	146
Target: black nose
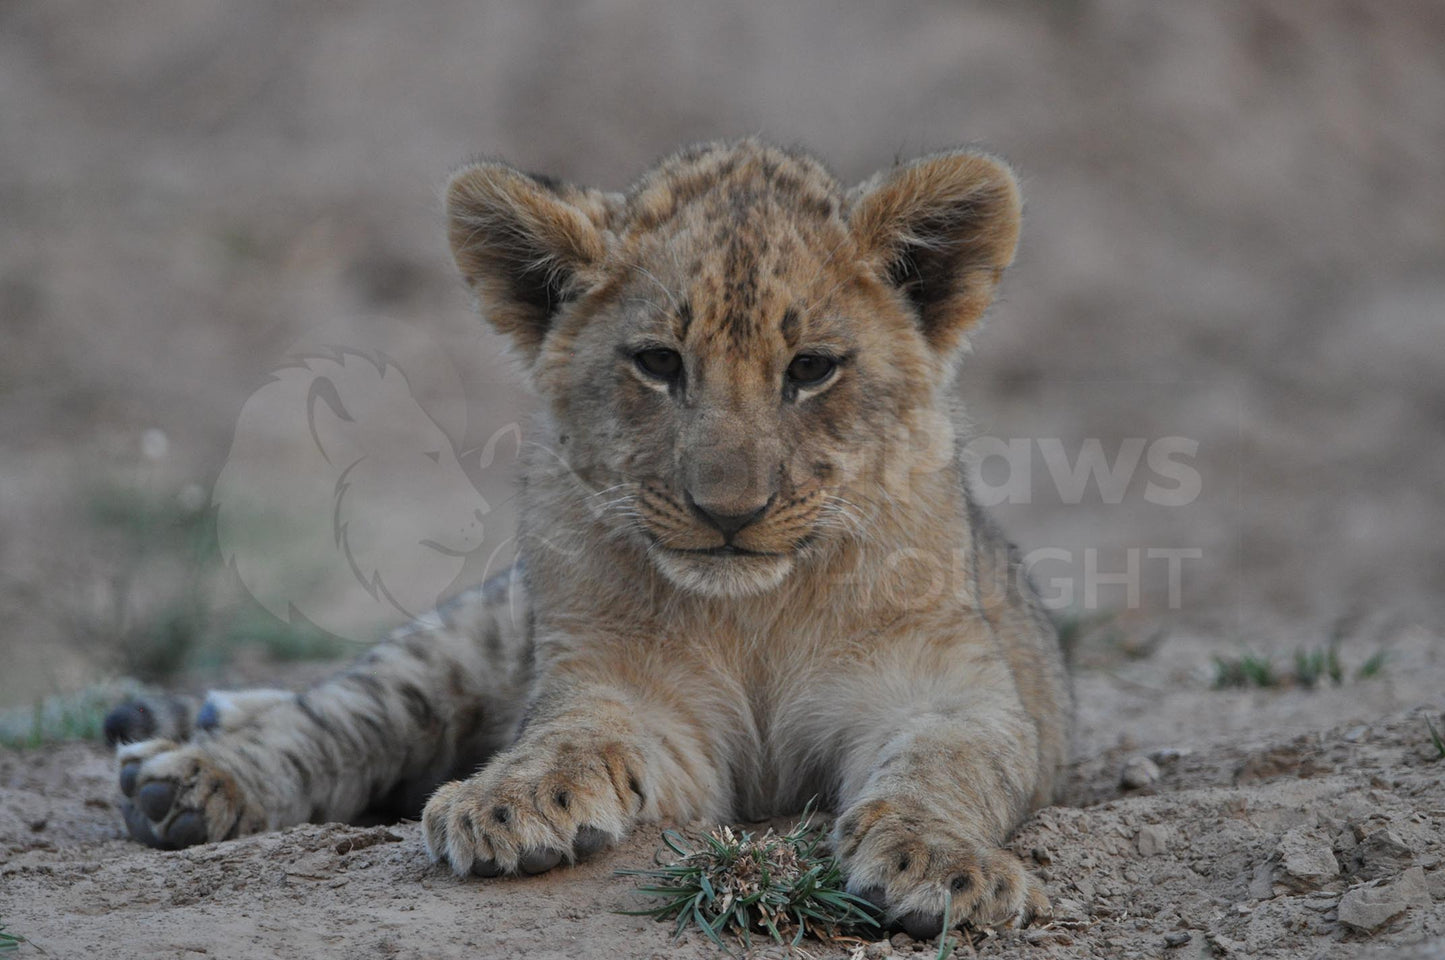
728	524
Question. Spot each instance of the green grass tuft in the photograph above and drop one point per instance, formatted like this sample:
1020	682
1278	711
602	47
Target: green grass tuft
1309	667
1436	740
1247	670
1312	668
1336	672
1372	667
63	717
1074	626
732	882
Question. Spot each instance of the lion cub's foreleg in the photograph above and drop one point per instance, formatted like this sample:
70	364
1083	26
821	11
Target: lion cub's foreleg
599	753
931	789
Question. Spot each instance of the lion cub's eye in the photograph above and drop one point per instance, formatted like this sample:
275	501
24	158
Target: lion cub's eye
808	369
659	362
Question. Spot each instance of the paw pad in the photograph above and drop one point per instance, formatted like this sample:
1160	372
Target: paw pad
539	861
922	926
128	773
155	799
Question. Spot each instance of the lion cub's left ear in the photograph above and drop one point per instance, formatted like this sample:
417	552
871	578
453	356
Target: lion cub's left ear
524	243
942	228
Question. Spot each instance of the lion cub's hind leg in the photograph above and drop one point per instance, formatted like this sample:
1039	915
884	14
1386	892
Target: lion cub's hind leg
180	794
185	796
161	716
436	698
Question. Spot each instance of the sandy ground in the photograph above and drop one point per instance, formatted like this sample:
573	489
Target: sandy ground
1276	824
1234	235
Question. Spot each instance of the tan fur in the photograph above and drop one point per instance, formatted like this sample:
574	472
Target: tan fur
867	638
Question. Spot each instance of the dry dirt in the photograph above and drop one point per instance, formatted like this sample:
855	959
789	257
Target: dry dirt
1276	816
1235	234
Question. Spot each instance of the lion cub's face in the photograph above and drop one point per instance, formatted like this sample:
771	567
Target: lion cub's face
734	349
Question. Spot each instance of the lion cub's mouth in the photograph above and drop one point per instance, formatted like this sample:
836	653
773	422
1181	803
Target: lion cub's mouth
726	550
751	560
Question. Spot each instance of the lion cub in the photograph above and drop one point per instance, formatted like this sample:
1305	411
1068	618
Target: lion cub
750	570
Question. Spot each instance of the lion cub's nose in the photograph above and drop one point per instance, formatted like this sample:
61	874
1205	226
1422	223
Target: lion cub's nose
728	519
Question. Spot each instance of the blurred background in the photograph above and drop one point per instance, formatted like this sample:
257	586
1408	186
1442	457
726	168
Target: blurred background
1234	235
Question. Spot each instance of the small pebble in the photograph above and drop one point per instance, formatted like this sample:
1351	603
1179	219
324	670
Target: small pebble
1067	908
1177	939
1370	906
1138	772
1306	861
1152	841
1383	853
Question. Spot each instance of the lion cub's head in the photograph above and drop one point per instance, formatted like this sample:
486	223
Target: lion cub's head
733	348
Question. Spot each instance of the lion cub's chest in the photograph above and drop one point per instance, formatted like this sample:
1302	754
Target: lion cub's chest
777	693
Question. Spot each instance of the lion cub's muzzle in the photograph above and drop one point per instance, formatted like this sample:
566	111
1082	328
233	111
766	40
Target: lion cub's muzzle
778	525
727	518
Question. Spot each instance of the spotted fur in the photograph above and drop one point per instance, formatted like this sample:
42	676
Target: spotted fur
740	588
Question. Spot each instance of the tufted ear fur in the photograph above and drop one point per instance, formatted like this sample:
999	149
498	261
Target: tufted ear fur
942	228
522	242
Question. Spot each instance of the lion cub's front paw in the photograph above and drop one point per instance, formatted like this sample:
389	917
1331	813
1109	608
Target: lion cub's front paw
175	795
534	807
914	863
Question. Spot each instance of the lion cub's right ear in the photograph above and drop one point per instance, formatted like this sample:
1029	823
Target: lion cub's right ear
524	245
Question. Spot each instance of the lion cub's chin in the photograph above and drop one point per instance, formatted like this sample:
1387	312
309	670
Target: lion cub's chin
731	575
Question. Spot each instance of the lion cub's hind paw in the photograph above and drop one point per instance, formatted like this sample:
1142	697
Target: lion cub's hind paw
174	796
151	717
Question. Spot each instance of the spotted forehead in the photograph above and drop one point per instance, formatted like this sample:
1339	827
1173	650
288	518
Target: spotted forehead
747	242
749	284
